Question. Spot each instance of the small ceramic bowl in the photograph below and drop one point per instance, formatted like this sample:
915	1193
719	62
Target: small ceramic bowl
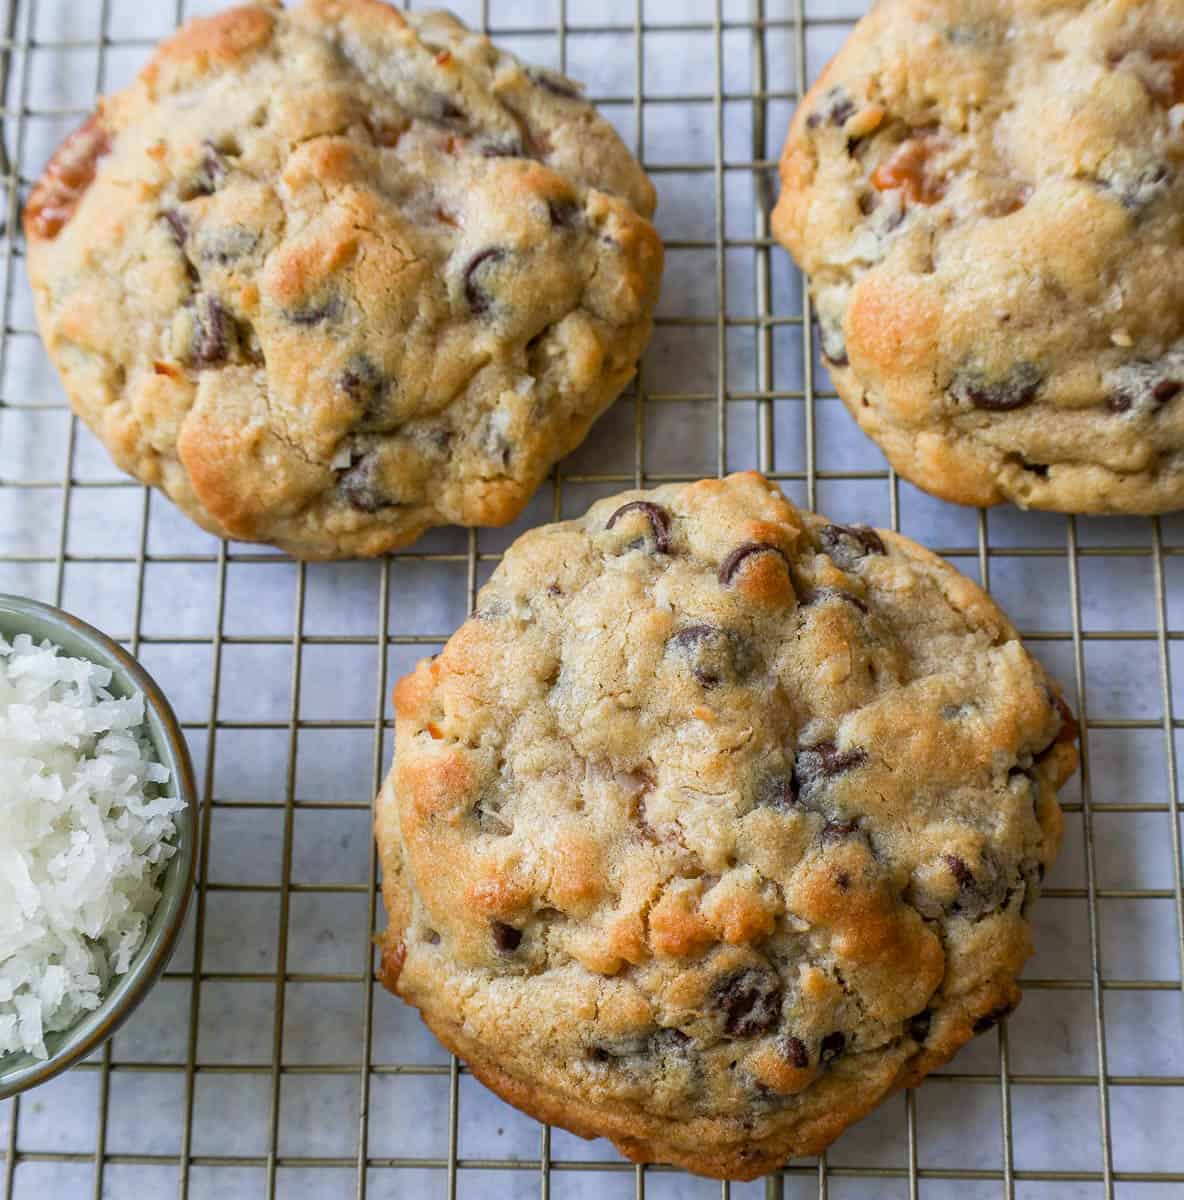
77	639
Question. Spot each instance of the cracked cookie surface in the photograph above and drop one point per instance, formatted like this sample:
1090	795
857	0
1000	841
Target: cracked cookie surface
988	199
716	822
331	275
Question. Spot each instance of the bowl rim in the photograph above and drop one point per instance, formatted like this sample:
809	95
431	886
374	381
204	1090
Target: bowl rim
92	1029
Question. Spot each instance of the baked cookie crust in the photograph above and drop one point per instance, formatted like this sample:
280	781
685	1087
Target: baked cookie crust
716	823
988	199
334	274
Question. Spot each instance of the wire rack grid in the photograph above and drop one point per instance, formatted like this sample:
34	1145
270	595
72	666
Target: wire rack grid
267	1061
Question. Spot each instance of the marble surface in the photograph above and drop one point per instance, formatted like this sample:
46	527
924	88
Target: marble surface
270	784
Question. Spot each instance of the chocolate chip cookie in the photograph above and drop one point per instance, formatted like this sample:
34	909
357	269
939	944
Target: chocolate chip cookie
988	199
717	822
331	275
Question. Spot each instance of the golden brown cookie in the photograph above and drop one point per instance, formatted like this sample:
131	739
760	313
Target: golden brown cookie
988	199
717	822
334	274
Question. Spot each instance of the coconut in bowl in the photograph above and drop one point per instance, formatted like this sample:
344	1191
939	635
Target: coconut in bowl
97	838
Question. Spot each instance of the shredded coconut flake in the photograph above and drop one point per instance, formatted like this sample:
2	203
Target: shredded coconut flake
85	834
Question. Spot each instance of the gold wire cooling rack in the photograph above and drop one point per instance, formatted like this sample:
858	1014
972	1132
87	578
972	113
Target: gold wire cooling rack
268	1062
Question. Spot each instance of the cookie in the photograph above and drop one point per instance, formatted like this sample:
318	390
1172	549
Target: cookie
331	275
988	200
716	823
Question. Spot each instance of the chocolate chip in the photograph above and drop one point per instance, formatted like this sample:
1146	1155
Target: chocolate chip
714	655
442	111
657	516
981	889
836	831
366	385
823	761
796	1053
213	171
732	563
563	213
557	85
328	309
846	545
506	938
501	147
960	871
1017	388
820	595
1068	729
919	1025
991	1019
215	332
476	295
832	1046
749	1002
836	108
1146	383
225	246
1142	190
488	813
176	223
778	792
360	484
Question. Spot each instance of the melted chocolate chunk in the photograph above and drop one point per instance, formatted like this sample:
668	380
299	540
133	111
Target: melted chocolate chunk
836	108
502	147
820	595
1017	388
365	385
476	295
226	245
1146	384
1143	189
360	484
779	792
847	544
506	938
657	516
563	213
663	1042
991	1019
215	333
919	1025
490	819
832	1046
1069	729
328	309
212	172
733	562
176	223
749	1002
816	764
960	871
796	1053
557	85
836	831
714	655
